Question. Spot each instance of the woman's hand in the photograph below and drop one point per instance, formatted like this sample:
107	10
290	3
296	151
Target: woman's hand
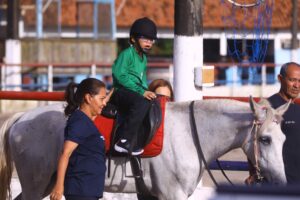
58	190
149	95
57	193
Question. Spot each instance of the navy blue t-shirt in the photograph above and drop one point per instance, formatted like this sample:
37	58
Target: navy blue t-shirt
291	148
86	169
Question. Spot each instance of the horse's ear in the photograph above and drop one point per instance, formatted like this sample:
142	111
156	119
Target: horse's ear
253	104
283	108
255	107
258	110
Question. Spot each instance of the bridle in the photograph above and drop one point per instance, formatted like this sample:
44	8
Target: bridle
254	131
257	126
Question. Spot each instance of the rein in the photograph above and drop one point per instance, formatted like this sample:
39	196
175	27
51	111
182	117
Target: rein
198	145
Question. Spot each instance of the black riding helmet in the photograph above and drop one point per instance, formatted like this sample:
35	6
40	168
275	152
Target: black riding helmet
143	27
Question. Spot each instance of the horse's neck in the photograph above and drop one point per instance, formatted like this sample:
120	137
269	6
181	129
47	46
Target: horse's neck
226	129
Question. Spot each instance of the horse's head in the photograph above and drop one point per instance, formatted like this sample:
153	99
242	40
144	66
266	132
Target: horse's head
265	142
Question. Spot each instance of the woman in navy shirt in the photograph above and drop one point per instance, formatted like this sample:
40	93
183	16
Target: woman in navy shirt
81	167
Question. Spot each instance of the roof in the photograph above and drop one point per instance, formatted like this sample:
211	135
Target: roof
162	12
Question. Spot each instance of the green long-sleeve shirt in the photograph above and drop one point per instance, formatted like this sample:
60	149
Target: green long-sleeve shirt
129	71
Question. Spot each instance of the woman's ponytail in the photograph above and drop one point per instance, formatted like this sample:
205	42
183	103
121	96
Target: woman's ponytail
74	94
70	98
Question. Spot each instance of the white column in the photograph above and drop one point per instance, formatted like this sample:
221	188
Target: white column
93	71
223	44
13	56
277	50
188	54
50	78
294	55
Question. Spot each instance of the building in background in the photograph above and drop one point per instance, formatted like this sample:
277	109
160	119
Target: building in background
92	31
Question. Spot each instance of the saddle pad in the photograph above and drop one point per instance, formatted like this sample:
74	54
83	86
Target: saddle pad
154	148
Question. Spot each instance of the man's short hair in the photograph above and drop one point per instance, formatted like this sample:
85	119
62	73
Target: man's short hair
285	66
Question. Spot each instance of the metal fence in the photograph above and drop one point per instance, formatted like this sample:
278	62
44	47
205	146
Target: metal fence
45	76
42	75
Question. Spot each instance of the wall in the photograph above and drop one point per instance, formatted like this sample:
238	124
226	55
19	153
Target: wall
68	51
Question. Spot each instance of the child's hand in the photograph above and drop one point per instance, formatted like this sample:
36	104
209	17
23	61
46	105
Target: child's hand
149	95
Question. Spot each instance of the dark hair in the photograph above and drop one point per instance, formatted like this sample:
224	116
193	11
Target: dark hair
74	93
161	83
285	66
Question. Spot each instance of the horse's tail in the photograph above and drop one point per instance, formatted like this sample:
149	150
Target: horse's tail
6	163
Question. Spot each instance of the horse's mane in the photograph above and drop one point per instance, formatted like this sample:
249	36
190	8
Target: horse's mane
218	105
213	105
226	105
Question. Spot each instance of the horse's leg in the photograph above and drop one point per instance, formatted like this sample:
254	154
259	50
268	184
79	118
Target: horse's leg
34	174
50	185
33	186
169	184
172	191
176	194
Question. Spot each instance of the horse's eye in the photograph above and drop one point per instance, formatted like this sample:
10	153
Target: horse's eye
265	140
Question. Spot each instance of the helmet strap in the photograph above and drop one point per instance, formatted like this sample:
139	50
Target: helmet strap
146	51
139	48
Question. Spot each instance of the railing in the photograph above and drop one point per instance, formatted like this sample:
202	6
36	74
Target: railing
90	70
231	73
59	96
256	73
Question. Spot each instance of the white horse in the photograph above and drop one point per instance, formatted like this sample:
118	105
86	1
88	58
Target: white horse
33	141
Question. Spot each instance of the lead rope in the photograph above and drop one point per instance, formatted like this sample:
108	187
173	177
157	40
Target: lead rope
258	175
255	148
198	146
254	131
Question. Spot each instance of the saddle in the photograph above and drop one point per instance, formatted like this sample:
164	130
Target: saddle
151	131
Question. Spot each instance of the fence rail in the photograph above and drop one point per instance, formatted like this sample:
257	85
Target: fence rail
10	70
226	73
59	96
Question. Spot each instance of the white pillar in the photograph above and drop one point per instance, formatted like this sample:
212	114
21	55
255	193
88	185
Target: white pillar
50	78
188	54
294	55
277	52
223	44
13	56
